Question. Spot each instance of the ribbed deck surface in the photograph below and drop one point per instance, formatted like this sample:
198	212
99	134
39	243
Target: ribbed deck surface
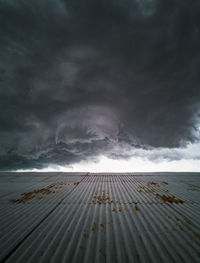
65	217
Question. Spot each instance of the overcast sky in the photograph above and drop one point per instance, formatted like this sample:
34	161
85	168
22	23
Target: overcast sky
82	81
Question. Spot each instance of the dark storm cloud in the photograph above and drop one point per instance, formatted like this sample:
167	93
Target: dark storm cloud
80	78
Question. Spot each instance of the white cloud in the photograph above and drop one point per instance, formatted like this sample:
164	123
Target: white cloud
156	160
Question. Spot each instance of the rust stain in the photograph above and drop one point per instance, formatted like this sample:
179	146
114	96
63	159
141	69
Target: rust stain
38	193
93	227
187	225
152	190
136	208
185	220
193	188
144	189
153	184
169	199
102	198
102	252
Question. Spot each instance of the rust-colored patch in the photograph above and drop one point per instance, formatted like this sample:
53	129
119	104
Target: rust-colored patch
38	193
102	198
185	220
193	188
169	199
102	252
153	184
76	183
187	226
136	208
189	222
152	188
101	225
144	189
93	227
165	190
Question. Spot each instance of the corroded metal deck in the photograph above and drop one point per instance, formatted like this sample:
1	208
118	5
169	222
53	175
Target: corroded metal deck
79	217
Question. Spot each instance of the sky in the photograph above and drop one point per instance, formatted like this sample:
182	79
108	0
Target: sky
100	85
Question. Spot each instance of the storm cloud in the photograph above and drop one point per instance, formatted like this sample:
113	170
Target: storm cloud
84	78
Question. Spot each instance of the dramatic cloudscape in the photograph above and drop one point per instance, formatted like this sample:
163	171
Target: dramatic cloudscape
106	85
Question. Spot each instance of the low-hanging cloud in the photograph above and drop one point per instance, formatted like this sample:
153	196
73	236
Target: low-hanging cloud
83	78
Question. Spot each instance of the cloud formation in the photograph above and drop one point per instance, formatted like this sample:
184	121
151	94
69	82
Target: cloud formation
83	78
